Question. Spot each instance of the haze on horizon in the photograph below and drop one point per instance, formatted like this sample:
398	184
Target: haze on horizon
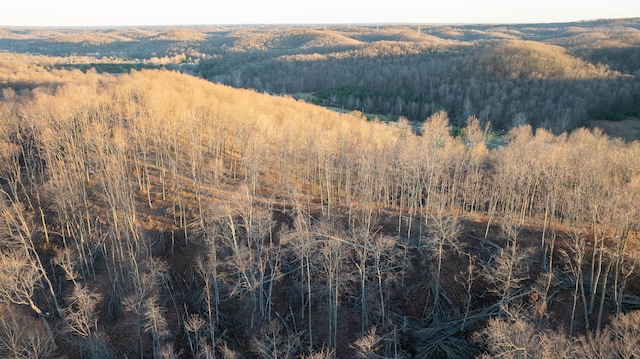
140	13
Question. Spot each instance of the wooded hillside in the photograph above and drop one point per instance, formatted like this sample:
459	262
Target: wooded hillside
155	214
553	76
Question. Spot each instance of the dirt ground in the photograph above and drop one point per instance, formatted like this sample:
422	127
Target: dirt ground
628	130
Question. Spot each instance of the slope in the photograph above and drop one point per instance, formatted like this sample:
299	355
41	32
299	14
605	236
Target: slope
155	213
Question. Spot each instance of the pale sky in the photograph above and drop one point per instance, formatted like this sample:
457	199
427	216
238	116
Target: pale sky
213	12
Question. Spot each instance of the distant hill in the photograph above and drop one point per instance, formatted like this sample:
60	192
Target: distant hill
526	60
558	76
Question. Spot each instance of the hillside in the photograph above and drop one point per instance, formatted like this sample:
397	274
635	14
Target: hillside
554	76
155	214
533	60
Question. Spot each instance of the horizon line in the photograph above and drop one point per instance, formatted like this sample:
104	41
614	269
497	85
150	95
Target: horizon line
293	24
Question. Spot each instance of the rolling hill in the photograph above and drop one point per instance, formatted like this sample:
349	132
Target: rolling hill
556	76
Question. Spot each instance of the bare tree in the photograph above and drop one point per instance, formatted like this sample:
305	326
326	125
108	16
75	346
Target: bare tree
511	339
155	324
276	342
19	278
468	278
22	337
82	321
333	257
444	231
575	256
509	267
625	329
368	346
19	229
304	249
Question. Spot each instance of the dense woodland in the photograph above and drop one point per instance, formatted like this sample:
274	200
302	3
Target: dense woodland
155	214
554	76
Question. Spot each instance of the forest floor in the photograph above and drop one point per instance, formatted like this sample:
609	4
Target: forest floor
627	129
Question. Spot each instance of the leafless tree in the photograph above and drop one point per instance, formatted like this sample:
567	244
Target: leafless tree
444	231
511	338
509	267
368	346
82	321
22	337
19	278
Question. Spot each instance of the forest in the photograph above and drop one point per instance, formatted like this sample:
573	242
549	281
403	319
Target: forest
148	210
556	76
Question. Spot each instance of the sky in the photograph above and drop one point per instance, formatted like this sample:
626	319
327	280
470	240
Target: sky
216	12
